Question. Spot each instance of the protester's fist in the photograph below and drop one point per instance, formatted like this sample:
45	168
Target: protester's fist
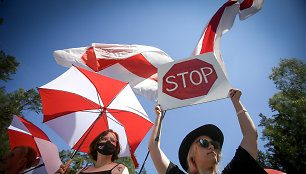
61	170
235	94
158	110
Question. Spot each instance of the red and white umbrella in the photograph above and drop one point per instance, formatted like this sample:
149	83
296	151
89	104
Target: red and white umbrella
80	99
24	133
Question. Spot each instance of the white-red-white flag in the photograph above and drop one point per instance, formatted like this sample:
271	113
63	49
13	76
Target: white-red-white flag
134	64
221	22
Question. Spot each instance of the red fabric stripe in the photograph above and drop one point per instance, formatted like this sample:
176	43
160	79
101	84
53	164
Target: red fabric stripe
89	58
107	88
134	161
34	130
99	127
136	127
140	66
209	37
136	64
21	139
58	103
246	4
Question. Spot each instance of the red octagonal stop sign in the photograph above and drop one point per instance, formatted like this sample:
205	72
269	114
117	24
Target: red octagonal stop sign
189	79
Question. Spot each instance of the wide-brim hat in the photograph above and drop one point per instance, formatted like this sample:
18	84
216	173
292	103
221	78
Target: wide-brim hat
209	130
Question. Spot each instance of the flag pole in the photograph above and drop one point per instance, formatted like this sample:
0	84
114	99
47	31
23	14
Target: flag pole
148	150
34	168
144	162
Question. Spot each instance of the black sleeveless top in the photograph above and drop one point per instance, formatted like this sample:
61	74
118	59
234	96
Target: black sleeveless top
100	172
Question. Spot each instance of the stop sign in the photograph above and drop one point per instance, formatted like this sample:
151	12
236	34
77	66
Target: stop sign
189	79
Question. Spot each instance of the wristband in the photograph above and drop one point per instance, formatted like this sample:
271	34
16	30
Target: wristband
241	111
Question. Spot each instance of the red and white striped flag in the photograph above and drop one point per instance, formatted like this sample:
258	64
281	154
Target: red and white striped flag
137	64
134	64
221	22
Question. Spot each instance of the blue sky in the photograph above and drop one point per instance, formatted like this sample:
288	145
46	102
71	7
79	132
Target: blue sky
33	29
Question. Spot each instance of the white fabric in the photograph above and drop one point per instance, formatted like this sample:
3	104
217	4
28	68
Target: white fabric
69	57
17	125
127	101
256	6
71	127
225	24
75	82
118	51
141	86
49	154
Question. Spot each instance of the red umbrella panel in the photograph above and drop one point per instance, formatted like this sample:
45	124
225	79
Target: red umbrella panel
80	99
22	132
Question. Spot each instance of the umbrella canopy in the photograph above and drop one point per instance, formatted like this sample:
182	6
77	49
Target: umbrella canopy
80	99
24	133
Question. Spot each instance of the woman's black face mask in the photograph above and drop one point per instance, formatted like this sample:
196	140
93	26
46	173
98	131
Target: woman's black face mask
106	148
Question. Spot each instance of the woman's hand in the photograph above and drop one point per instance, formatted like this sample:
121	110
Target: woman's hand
61	170
158	111
235	95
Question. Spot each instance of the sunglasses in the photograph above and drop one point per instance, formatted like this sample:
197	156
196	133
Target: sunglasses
205	143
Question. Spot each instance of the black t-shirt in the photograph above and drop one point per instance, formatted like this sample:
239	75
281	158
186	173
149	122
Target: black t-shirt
242	162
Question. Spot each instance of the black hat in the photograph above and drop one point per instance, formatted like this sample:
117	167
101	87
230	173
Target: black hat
209	130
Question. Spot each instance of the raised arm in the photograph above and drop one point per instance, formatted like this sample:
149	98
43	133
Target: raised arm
161	162
249	132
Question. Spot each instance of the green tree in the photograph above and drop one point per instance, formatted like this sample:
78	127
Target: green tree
8	66
285	130
81	160
15	102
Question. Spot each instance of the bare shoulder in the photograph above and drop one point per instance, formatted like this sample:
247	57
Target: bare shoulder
120	169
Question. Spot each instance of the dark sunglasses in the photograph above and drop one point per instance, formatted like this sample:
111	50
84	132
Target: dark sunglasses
205	143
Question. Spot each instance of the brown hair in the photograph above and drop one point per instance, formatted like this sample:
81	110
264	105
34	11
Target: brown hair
93	145
30	154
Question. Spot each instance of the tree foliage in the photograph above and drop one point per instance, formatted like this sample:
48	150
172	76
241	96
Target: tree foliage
285	130
81	160
8	66
15	102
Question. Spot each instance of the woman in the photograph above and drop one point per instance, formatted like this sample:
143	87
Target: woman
104	149
18	160
200	150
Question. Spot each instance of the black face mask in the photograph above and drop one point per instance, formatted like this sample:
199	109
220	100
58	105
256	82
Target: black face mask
106	148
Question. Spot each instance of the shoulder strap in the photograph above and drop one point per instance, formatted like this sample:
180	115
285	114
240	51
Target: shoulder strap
84	169
115	166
